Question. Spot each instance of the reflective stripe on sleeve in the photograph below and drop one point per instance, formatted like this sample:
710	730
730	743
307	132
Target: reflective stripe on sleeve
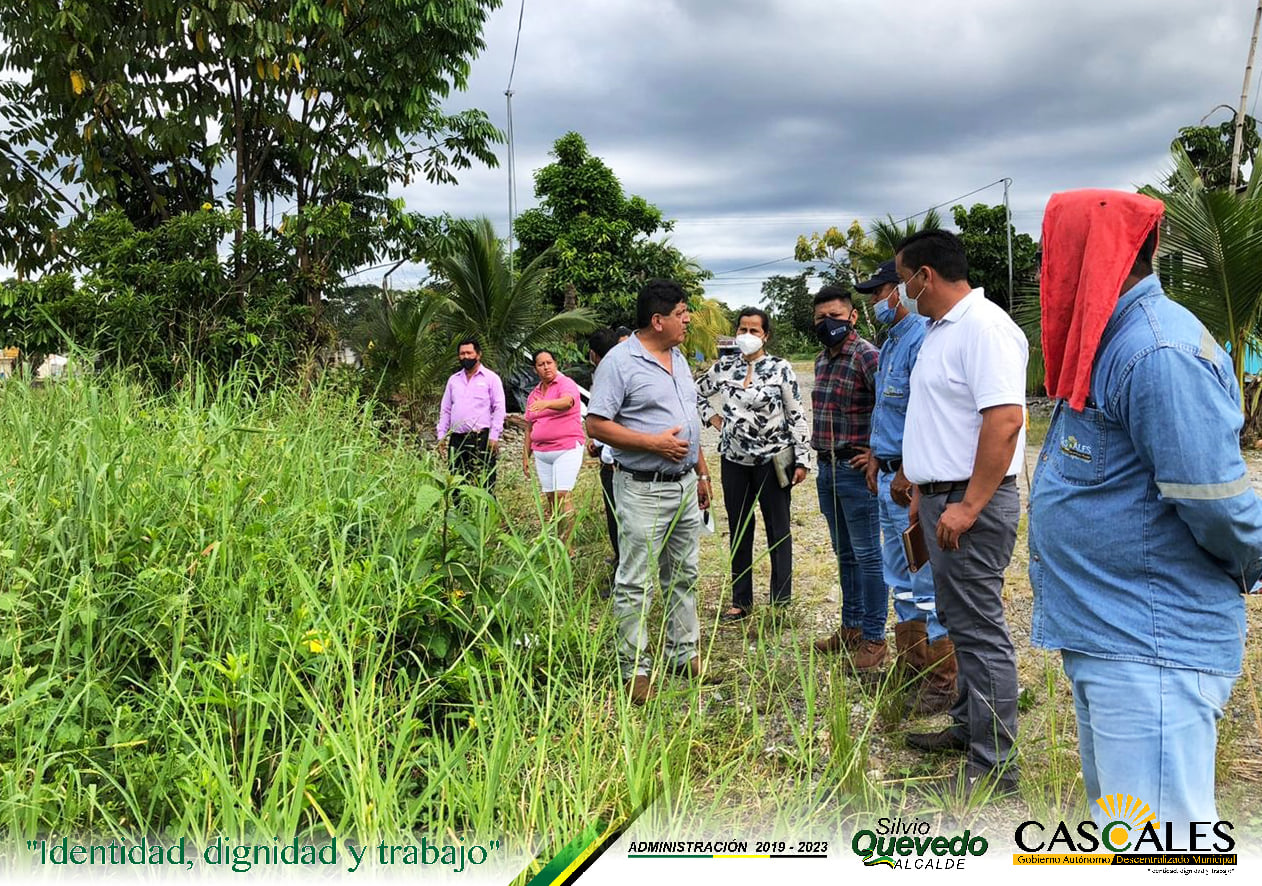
1204	491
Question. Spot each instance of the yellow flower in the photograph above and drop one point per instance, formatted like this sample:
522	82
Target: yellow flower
207	206
313	642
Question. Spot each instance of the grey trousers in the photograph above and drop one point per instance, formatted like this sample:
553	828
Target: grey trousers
659	528
969	585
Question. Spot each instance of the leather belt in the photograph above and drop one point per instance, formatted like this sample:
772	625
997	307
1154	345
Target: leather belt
845	453
946	487
651	476
889	465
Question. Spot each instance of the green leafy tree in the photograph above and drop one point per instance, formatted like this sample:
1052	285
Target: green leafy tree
1208	149
164	301
788	300
305	112
600	238
984	232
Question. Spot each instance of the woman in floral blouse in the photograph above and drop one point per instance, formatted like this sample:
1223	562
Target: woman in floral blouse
761	417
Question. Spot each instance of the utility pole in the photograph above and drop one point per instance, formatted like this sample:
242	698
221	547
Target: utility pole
1007	214
1244	97
512	184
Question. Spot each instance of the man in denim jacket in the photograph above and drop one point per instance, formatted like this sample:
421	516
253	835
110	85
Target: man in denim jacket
1144	527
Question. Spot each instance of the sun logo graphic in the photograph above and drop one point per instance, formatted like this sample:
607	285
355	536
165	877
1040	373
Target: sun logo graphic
1126	814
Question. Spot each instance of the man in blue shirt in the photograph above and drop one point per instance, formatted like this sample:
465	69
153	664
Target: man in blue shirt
924	651
1144	527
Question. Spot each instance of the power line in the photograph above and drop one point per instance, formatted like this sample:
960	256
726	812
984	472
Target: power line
521	13
899	222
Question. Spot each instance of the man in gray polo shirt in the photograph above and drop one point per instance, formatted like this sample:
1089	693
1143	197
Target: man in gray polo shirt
644	406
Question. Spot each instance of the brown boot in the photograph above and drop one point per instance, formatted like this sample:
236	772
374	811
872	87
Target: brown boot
910	650
844	639
870	657
938	690
640	690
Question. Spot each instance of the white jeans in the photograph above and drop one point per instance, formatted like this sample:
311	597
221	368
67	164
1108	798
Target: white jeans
558	470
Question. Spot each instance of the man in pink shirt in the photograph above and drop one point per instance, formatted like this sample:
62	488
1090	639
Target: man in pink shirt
472	416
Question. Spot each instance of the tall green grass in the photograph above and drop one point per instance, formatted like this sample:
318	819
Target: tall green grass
241	613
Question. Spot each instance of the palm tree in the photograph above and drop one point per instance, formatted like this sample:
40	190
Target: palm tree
509	317
398	344
1212	245
887	233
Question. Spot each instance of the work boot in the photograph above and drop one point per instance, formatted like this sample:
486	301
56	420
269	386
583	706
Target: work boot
910	657
640	690
869	658
844	639
937	692
948	739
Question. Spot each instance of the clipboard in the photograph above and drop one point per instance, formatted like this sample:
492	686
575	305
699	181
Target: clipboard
914	547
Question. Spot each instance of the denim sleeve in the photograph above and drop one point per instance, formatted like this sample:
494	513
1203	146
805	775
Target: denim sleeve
1184	419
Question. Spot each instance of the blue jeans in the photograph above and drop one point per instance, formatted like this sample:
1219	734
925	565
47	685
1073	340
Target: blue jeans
1150	732
854	528
913	591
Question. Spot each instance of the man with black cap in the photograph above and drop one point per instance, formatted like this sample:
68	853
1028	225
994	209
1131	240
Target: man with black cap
924	653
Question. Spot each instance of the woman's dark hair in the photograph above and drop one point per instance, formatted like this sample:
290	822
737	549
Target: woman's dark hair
760	314
534	358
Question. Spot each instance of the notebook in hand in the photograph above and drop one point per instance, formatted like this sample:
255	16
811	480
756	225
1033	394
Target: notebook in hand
915	548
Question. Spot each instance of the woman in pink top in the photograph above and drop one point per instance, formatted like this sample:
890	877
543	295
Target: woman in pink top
554	433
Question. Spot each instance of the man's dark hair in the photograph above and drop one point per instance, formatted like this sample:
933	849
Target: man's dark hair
469	341
602	341
657	297
623	332
1143	262
755	312
940	250
834	292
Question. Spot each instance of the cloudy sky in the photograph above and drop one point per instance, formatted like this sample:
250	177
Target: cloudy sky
752	121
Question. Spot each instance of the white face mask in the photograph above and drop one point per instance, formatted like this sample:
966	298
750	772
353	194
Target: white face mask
911	304
749	343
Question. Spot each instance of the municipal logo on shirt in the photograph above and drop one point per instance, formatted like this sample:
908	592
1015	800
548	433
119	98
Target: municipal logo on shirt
1075	448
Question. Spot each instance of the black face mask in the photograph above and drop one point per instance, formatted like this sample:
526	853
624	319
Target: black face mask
832	332
468	363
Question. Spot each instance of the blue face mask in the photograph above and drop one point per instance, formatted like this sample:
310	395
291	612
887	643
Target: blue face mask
884	313
831	331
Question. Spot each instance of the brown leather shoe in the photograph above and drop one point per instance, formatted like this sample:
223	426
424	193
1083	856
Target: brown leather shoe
847	639
938	691
640	690
693	671
869	657
910	645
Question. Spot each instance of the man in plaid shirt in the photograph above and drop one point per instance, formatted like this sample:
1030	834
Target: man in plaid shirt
843	399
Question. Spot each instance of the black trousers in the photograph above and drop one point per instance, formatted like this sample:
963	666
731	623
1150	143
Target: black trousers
469	454
611	518
743	485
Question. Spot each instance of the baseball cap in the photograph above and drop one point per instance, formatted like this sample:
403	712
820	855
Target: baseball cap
884	274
